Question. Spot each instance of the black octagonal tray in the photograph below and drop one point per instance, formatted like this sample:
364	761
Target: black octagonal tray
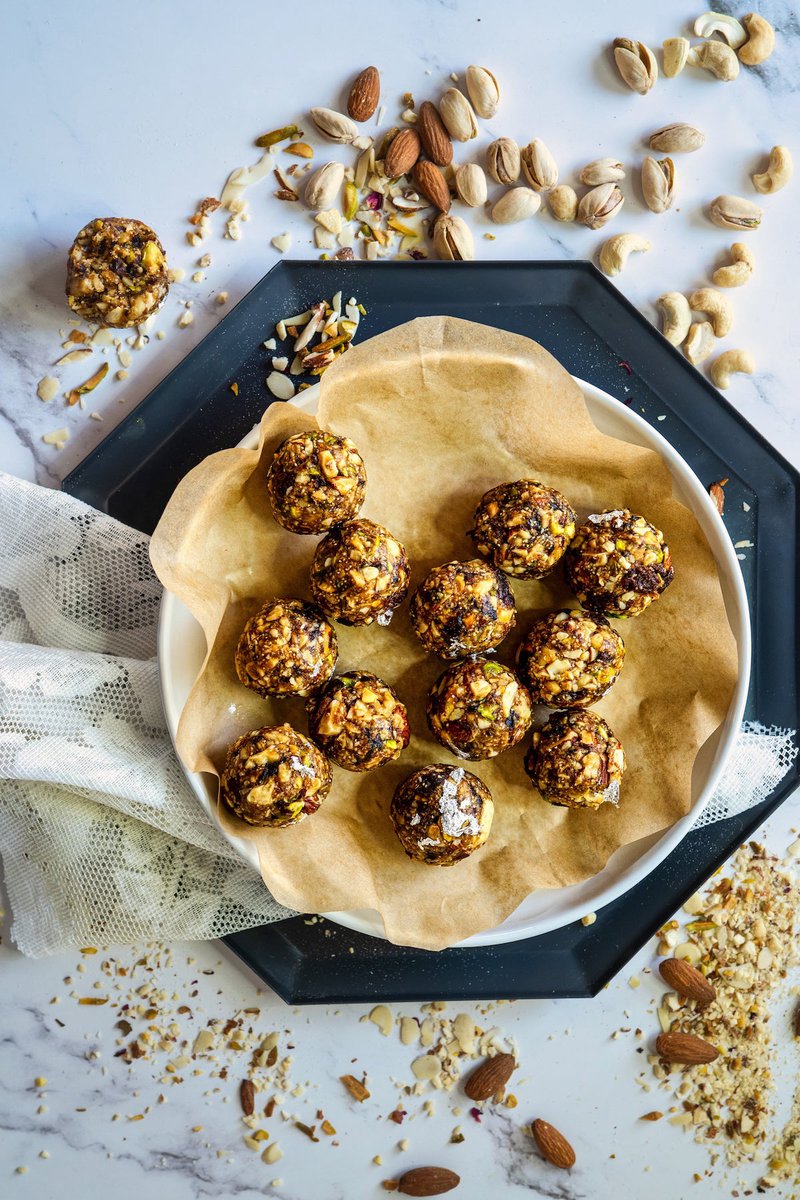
572	310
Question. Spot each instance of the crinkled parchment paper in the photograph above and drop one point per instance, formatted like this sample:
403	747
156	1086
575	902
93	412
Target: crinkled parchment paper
441	410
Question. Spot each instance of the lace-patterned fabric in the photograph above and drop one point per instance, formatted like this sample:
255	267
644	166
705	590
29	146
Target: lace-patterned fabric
101	837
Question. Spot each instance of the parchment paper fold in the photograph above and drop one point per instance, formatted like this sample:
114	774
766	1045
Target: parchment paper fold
441	410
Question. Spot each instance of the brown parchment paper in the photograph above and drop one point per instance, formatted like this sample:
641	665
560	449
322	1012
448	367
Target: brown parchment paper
441	410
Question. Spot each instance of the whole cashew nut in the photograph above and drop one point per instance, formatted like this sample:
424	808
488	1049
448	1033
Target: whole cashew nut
676	316
709	300
716	57
727	27
614	252
739	271
778	172
699	343
760	42
731	362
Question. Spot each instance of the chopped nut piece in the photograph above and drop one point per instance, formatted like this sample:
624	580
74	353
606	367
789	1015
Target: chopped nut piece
355	1087
47	388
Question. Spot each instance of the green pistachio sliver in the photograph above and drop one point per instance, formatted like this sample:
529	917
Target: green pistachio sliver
278	135
350	201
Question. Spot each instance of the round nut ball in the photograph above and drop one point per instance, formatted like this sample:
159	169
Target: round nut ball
569	659
618	563
478	709
287	648
523	528
116	272
360	573
462	608
274	776
575	761
441	814
358	721
316	480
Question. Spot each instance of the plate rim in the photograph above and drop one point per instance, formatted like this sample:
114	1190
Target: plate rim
369	921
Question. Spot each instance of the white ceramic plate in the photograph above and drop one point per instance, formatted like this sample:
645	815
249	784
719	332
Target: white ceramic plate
181	650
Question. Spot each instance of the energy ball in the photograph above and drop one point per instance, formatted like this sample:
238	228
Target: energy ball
478	709
523	528
575	761
286	649
570	658
316	480
274	776
358	721
116	272
618	563
359	573
462	608
441	814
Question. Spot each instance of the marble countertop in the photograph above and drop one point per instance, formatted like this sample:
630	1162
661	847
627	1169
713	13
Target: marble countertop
145	122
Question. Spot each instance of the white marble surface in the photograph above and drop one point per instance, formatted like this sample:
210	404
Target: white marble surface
143	117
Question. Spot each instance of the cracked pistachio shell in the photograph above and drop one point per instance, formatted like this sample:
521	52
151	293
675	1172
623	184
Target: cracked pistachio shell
517	204
636	64
658	183
676	139
452	239
599	205
323	187
457	115
483	90
539	166
471	184
336	127
563	203
734	212
503	160
602	170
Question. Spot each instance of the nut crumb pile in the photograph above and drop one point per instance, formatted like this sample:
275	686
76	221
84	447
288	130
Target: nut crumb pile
740	938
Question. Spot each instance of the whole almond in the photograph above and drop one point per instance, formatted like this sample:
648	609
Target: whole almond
493	1074
336	127
247	1097
685	1048
364	94
403	152
553	1145
686	980
428	1181
432	183
435	138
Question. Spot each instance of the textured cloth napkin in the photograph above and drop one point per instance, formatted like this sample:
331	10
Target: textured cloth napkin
101	837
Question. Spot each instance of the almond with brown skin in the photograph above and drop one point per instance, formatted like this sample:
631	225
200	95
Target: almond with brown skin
435	138
490	1076
247	1097
428	1181
403	152
553	1145
686	980
432	183
364	95
685	1048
